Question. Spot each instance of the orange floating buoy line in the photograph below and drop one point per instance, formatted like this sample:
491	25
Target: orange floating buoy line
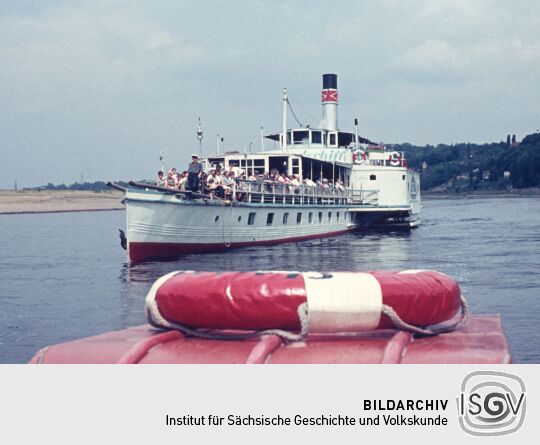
217	305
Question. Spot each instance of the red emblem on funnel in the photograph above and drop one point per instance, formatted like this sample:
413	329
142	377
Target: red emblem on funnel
329	96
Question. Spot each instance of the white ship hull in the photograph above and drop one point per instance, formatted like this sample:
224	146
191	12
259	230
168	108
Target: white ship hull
163	226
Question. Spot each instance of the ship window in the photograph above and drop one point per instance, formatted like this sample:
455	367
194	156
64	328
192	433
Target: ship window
269	219
329	216
251	218
337	216
295	162
310	217
403	177
216	219
285	218
298	217
239	218
372	177
300	137
345	139
332	140
316	137
320	217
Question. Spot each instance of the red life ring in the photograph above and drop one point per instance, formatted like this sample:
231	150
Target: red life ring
336	301
359	156
395	159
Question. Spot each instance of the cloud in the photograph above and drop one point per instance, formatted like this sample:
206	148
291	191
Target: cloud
103	86
433	59
439	61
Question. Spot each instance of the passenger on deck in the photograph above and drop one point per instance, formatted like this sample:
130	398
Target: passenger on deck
182	181
215	176
214	183
228	184
194	170
267	181
228	180
235	169
175	176
170	181
339	185
161	182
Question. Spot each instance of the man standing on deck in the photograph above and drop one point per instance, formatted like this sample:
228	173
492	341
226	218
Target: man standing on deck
194	169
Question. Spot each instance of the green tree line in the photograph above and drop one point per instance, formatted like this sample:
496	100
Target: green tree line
467	166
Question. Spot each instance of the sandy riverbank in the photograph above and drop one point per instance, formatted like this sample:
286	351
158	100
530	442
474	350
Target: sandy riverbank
50	201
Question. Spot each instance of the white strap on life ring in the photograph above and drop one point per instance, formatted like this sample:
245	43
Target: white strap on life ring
342	301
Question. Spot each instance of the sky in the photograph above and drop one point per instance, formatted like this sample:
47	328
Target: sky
99	88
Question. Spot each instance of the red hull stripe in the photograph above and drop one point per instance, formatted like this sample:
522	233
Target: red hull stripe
145	251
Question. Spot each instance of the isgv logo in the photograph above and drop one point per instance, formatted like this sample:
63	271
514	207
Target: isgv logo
491	403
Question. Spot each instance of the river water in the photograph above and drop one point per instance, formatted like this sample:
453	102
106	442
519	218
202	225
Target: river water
64	276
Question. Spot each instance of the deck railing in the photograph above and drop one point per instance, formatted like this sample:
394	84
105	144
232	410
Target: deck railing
365	197
278	193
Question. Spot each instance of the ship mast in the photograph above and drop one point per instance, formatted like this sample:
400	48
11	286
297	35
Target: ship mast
200	136
284	144
356	133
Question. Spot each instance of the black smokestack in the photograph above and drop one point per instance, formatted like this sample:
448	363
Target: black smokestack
329	81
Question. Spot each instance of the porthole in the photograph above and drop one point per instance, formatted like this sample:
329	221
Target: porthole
216	219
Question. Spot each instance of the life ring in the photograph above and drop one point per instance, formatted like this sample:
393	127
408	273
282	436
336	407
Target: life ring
333	301
359	157
395	159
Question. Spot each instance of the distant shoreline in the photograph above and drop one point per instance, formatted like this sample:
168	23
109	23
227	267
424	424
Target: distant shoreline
52	201
513	193
36	212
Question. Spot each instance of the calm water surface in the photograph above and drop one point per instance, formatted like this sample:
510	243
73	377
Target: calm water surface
64	276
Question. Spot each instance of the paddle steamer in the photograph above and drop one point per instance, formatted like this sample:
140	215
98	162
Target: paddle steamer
378	190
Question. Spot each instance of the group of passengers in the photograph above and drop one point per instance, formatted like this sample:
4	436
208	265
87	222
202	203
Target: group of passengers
221	183
188	180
